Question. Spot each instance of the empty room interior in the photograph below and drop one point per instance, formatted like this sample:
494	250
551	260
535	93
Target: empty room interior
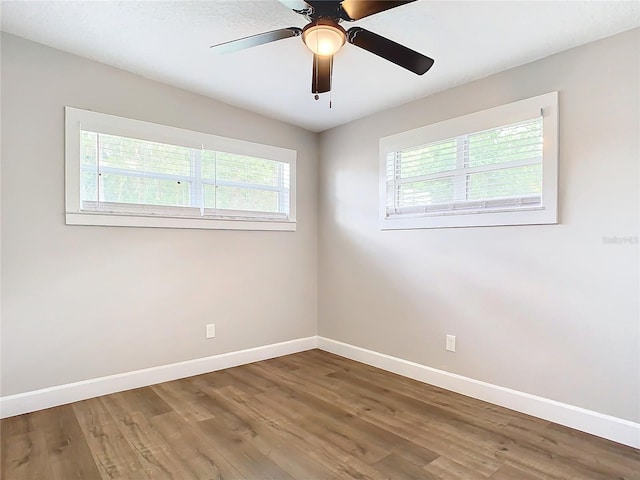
303	239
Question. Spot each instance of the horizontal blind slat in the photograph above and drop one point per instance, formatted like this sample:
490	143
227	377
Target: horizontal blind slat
144	176
501	165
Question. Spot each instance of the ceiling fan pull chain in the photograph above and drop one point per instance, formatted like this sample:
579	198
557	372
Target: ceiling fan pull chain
315	77
330	81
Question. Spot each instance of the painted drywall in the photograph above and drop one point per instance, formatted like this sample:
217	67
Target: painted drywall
548	310
82	302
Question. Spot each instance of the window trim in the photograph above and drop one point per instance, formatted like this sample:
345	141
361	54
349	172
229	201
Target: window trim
77	120
546	104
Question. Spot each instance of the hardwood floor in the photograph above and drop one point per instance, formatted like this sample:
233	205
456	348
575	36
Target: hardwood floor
311	415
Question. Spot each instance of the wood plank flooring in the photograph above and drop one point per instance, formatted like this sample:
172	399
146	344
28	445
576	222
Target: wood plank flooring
312	415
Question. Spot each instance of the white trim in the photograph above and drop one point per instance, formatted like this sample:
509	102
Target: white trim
20	403
108	220
77	120
542	105
606	426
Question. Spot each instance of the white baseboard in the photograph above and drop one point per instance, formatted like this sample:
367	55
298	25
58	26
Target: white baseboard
20	403
606	426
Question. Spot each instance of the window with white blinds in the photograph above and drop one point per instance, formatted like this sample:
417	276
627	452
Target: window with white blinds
153	175
498	167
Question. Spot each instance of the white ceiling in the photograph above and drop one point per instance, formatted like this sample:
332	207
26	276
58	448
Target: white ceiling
169	41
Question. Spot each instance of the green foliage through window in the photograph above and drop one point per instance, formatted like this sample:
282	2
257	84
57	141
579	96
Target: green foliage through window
117	169
493	165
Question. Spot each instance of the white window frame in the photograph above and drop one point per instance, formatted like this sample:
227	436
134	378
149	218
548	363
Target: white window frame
158	216
547	213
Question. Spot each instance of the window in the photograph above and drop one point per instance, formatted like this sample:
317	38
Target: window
132	173
494	167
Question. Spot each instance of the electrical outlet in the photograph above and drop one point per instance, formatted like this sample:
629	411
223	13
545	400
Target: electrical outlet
211	330
451	343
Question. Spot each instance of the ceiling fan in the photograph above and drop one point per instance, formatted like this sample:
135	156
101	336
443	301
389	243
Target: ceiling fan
324	36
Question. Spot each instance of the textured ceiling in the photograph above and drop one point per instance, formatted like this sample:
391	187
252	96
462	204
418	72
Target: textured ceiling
169	41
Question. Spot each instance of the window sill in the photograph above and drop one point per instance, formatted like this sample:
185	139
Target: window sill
537	216
110	220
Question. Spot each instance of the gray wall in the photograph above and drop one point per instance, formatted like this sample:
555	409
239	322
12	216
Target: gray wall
82	302
549	310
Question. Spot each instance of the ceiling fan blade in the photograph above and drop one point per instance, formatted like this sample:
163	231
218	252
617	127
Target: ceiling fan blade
254	40
297	6
321	77
389	50
357	9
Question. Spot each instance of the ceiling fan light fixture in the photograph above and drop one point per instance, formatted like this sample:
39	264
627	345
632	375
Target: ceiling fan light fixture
324	37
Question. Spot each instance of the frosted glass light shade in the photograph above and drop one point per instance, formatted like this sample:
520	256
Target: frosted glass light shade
324	39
